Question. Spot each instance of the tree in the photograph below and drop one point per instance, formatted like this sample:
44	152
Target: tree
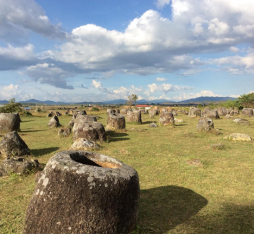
132	98
246	100
11	107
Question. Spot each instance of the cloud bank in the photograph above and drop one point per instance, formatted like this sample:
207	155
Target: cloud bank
150	44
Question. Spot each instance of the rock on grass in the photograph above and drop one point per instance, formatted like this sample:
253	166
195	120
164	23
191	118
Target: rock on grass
238	137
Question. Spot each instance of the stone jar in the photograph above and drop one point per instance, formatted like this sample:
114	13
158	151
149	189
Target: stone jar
13	145
9	122
92	131
194	112
134	116
54	122
247	111
84	192
166	118
115	122
205	125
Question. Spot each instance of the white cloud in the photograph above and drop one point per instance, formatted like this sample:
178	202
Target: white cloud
117	93
234	49
49	74
161	3
150	44
237	64
204	93
97	84
190	72
10	91
180	7
160	79
234	96
18	17
218	28
12	58
167	87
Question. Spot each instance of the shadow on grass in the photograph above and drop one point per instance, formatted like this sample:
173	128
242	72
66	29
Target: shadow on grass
117	136
32	131
27	121
119	139
148	122
41	152
163	208
180	124
232	218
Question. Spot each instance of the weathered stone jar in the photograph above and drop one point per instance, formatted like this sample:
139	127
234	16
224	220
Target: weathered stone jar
9	122
115	122
194	112
84	192
134	116
205	125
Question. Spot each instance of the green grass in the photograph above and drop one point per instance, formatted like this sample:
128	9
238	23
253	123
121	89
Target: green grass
216	197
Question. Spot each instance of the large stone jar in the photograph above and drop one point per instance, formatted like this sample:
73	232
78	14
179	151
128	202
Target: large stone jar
205	125
247	111
134	116
194	112
115	122
153	112
84	192
9	122
92	131
166	118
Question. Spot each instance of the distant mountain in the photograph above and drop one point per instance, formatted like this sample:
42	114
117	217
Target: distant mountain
208	99
47	102
123	101
141	101
160	101
117	101
3	102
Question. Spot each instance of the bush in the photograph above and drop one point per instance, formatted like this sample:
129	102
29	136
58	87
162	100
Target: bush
11	107
200	106
95	109
231	104
26	113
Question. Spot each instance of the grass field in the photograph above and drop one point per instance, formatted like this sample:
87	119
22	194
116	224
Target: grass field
215	196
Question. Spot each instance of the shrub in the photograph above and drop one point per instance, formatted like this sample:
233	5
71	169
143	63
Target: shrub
231	104
11	107
95	109
26	113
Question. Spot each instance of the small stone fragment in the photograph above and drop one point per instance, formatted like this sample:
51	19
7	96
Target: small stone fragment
18	165
217	146
237	137
153	125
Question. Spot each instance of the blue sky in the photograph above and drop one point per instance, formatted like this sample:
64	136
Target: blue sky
99	50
